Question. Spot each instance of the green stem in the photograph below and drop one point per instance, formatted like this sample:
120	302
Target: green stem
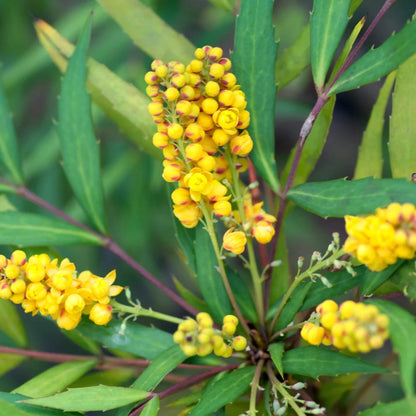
140	311
254	387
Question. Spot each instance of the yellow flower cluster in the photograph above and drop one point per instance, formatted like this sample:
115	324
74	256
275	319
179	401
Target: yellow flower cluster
42	285
201	118
354	326
199	337
379	240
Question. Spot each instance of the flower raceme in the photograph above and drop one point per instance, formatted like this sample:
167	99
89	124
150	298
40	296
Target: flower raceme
201	118
379	240
42	285
353	326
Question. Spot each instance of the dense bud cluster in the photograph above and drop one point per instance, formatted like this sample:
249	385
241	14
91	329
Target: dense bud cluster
199	337
201	118
42	285
354	326
379	240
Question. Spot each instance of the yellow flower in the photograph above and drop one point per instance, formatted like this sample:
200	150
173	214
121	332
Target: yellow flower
101	314
234	241
199	183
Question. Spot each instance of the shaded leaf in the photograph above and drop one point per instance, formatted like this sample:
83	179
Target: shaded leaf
118	377
9	361
401	407
80	150
404	278
83	341
370	154
91	398
11	324
370	281
276	352
186	238
151	408
340	197
254	59
314	362
189	297
242	296
55	379
25	229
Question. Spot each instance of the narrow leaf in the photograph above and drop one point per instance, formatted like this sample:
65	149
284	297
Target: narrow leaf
151	408
402	330
401	407
55	379
80	150
276	352
380	61
91	398
223	391
9	361
119	377
254	59
404	279
370	155
189	297
83	341
340	197
11	324
328	22
315	362
242	296
402	149
7	409
370	281
9	154
137	339
25	229
148	31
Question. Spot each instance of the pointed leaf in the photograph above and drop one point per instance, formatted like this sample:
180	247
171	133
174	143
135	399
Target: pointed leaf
328	22
11	324
402	330
223	391
91	398
315	362
80	152
276	352
402	149
380	61
9	361
119	377
254	61
151	408
404	279
401	407
55	379
370	155
189	297
370	281
148	31
24	229
340	197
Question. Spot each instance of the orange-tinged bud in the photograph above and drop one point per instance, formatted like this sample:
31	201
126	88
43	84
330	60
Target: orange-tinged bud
172	172
68	321
315	335
239	343
216	71
234	241
226	98
327	306
207	162
188	214
241	145
175	131
18	257
263	232
160	140
194	132
183	107
222	209
180	196
155	108
194	151
18	286
196	65
228	79
101	314
171	94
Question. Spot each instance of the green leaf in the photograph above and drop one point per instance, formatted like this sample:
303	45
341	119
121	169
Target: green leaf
242	296
55	379
254	61
281	275
402	330
293	60
340	197
83	341
9	153
148	31
162	365
370	281
146	342
314	362
189	297
11	324
80	150
120	376
91	398
209	279
401	407
186	238
404	278
25	229
380	61
151	408
402	149
313	146
9	361
223	391
370	155
276	352
328	22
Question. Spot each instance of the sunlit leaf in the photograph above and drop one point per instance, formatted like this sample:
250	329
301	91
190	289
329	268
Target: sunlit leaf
151	408
401	407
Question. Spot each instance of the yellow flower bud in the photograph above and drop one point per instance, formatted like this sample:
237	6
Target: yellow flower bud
188	214
204	320
327	306
5	291
18	286
18	257
12	271
101	314
229	328
151	78
329	319
216	71
188	349
161	71
178	80
205	121
234	241
263	232
203	349
226	98
228	79
188	325
194	132
220	137
180	196
183	107
36	291
175	131
209	105
172	172
315	335
239	343
68	321
160	140
171	94
178	337
199	53
194	151
155	108
74	304
206	162
3	261
222	208
196	65
212	89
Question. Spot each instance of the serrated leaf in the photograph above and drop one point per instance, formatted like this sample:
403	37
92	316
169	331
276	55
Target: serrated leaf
370	281
137	339
328	22
91	398
208	278
9	361
55	379
223	391
314	362
401	407
151	408
402	329
120	100
25	229
11	324
9	153
402	149
80	150
380	61
370	154
276	352
254	59
340	197
148	31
